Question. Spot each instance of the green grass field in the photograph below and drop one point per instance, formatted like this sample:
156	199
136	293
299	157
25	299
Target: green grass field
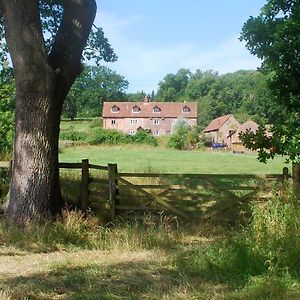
162	160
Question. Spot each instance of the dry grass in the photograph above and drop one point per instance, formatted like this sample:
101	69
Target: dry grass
154	257
138	260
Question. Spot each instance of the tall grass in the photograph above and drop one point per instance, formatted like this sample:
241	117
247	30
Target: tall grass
73	231
261	261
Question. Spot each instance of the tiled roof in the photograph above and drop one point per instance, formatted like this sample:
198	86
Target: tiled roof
247	126
167	110
216	123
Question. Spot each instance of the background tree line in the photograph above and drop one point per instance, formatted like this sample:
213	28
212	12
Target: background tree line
242	93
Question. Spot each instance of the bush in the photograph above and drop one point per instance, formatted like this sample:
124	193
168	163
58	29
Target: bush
4	183
107	136
143	137
113	137
262	259
96	123
185	137
72	135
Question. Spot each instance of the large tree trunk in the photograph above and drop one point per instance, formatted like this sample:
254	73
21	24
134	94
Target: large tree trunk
42	83
35	190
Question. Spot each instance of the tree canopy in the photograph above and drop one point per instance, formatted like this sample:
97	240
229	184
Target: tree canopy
95	85
51	15
274	36
242	93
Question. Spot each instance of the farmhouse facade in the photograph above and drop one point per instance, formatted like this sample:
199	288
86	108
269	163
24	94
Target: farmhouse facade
157	117
220	129
237	144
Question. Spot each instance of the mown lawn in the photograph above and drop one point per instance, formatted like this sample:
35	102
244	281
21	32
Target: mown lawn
156	159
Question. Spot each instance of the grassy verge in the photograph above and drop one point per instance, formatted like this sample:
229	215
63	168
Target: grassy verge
155	258
76	258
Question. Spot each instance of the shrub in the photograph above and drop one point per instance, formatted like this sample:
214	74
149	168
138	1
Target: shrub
185	137
143	137
96	123
111	136
72	135
262	259
107	136
4	183
6	134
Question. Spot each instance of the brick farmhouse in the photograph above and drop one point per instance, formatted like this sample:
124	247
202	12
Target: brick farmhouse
236	143
221	128
157	117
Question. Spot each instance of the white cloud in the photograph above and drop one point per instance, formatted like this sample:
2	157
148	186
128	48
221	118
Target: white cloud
145	66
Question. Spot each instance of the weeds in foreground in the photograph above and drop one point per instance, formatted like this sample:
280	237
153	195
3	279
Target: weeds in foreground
260	261
73	231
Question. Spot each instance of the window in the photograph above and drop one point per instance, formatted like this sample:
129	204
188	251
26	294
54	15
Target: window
186	109
156	122
156	109
133	121
136	109
174	121
131	132
155	132
113	122
115	109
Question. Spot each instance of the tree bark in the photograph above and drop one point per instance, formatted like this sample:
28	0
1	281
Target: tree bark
42	83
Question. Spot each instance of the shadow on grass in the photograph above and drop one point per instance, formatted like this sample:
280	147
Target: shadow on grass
133	280
197	274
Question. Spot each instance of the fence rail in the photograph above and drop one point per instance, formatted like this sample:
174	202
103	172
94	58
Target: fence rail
176	193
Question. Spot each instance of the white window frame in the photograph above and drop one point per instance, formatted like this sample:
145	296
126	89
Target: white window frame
155	132
133	121
131	132
156	121
113	122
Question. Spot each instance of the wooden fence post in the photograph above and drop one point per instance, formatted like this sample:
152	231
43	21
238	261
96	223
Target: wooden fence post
285	181
84	197
285	173
296	178
112	188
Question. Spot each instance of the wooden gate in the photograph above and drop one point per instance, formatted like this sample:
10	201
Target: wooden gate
189	195
185	195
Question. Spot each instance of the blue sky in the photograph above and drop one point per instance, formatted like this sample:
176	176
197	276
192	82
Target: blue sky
154	38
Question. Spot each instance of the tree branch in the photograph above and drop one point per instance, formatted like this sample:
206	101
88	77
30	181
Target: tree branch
73	33
22	20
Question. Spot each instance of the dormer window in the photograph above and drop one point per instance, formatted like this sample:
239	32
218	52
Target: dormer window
156	109
136	109
115	109
186	109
